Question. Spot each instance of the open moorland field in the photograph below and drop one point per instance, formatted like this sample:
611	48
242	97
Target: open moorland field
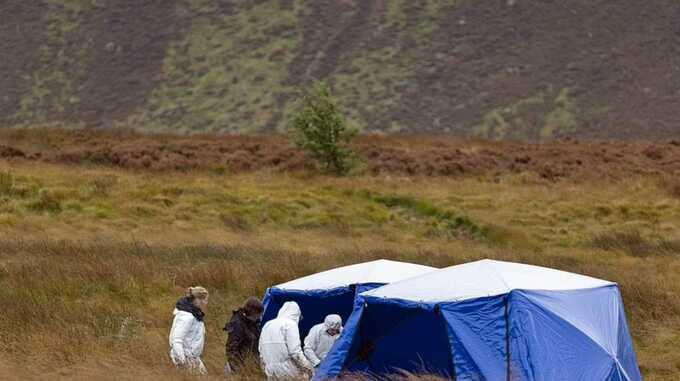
96	243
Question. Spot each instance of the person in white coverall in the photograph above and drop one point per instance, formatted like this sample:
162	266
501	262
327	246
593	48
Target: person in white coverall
321	338
187	335
280	348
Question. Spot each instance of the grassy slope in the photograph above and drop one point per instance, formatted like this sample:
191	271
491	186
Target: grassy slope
237	72
92	259
225	69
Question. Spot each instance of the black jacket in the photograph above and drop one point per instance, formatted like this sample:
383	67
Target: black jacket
244	335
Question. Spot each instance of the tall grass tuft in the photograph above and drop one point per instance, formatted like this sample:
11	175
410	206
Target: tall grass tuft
48	201
102	186
633	243
6	183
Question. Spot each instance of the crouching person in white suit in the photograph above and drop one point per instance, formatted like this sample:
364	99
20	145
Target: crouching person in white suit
321	338
280	348
187	335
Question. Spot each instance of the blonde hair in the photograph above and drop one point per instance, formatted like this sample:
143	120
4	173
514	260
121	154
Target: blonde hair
197	292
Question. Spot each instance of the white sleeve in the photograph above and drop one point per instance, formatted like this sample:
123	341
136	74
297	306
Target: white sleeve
295	348
181	327
311	343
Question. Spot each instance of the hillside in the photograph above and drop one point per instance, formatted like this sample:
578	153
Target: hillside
501	69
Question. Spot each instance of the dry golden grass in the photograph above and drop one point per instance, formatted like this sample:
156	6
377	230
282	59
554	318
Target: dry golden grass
88	286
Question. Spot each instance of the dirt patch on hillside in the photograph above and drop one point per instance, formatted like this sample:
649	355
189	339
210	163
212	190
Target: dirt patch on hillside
412	156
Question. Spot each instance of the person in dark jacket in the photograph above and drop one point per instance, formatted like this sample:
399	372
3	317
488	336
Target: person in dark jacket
244	334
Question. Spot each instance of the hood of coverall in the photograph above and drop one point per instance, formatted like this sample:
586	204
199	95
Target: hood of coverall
290	310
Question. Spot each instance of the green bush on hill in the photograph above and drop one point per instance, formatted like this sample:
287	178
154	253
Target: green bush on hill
319	128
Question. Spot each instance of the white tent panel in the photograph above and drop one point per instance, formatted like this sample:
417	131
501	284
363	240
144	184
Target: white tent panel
483	278
380	271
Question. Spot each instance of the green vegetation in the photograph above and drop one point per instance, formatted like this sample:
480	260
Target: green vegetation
443	221
51	89
562	118
319	128
226	69
508	123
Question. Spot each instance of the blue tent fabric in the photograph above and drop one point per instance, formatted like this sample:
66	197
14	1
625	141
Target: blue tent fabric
570	335
345	347
421	330
477	330
523	335
626	352
375	348
315	304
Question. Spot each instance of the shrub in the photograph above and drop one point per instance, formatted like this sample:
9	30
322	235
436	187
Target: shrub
319	128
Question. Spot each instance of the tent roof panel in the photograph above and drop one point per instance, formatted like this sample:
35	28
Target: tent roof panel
379	271
483	278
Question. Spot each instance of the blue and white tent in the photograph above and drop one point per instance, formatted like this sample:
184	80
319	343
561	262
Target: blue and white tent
491	321
333	291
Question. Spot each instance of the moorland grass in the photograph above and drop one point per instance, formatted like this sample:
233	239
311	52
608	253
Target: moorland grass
89	286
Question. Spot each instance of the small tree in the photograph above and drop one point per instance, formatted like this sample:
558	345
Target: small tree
319	128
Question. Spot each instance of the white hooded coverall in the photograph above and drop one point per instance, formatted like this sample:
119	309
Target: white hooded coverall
318	342
280	348
187	337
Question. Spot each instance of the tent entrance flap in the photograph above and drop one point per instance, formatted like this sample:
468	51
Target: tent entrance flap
315	305
393	337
